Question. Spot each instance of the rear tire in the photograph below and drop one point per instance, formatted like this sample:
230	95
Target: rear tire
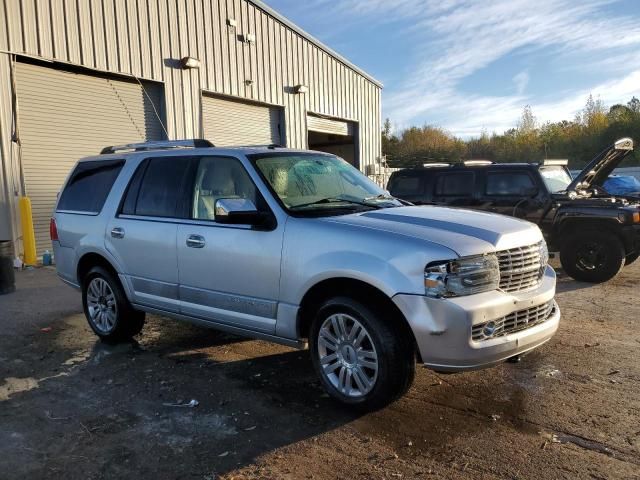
592	256
364	358
107	309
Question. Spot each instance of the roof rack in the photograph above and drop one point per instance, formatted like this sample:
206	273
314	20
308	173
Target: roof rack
159	145
436	164
555	162
478	162
264	145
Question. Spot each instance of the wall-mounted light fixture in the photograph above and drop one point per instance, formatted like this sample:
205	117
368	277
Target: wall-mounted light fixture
189	62
249	38
300	89
232	22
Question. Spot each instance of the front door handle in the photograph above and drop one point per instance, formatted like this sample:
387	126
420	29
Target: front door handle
195	241
117	232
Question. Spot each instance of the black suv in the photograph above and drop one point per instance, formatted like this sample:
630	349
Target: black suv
596	233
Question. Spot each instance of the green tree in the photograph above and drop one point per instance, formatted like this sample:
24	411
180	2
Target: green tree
593	129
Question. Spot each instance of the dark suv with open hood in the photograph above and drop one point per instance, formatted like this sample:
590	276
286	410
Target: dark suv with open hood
596	233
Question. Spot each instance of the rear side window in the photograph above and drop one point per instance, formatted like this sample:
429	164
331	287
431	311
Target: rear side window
509	183
89	185
156	187
406	185
459	184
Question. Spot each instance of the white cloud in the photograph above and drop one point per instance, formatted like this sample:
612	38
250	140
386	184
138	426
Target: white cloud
496	114
453	39
521	80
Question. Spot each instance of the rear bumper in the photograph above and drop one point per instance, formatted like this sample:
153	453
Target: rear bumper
443	327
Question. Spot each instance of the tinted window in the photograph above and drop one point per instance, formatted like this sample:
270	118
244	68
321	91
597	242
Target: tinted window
160	189
89	186
455	184
406	185
219	178
131	197
509	183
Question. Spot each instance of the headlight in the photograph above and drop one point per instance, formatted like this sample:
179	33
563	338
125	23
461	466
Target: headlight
544	254
463	276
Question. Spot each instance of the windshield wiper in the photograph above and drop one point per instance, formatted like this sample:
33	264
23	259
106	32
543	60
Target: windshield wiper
335	200
384	196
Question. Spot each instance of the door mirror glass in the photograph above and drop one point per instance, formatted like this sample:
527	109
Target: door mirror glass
237	211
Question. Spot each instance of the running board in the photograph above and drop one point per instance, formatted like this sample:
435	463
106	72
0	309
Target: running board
244	332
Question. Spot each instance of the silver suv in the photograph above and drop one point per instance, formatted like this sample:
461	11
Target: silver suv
300	248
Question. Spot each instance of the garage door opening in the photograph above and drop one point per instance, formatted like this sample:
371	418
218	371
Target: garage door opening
333	136
228	122
65	115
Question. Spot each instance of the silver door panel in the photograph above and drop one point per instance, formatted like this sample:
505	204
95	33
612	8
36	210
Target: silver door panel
147	252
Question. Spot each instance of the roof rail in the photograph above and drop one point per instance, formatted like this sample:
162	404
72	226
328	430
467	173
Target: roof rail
436	164
478	162
259	145
159	145
555	162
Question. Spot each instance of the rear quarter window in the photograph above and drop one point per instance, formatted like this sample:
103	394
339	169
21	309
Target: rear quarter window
89	185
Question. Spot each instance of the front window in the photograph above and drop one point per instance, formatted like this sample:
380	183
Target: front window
557	179
509	184
308	182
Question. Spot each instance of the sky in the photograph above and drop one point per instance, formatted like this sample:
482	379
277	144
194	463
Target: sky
470	66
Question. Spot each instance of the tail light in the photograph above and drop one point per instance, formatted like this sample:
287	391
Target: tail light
53	230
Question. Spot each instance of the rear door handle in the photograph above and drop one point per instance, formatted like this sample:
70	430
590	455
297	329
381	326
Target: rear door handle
195	241
117	232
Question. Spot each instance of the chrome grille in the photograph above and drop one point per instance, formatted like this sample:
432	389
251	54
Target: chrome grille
520	268
513	322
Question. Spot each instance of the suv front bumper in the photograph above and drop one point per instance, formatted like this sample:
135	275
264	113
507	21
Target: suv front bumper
443	327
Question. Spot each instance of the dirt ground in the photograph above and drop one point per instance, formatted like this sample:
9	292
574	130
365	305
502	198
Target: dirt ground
74	408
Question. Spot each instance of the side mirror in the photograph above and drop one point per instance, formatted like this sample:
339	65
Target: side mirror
237	211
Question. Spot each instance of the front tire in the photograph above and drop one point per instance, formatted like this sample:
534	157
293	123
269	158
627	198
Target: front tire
592	256
361	359
632	257
107	308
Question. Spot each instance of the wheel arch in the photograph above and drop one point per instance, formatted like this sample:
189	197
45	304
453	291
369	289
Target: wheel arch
351	288
92	259
568	225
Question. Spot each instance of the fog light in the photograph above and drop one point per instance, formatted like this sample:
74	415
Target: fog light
489	329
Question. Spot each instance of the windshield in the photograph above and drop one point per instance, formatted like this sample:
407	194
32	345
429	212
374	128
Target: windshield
557	179
312	182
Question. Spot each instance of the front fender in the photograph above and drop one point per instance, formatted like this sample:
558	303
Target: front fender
317	251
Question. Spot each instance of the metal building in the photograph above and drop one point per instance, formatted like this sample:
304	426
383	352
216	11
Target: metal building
78	75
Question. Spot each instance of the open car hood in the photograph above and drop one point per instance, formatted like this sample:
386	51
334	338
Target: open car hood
599	169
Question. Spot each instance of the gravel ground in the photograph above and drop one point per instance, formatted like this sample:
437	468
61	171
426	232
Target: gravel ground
74	408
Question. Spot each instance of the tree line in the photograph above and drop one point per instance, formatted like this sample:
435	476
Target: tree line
578	140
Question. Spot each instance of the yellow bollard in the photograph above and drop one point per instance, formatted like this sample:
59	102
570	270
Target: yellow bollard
28	235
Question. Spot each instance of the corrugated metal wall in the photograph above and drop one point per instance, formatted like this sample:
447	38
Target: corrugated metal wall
146	38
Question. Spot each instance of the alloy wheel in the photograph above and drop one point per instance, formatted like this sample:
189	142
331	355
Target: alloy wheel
348	357
101	305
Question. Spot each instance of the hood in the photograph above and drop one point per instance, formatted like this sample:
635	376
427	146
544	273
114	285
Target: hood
466	232
599	169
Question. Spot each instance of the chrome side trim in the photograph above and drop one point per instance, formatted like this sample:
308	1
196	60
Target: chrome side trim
69	282
225	301
299	344
154	288
184	221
